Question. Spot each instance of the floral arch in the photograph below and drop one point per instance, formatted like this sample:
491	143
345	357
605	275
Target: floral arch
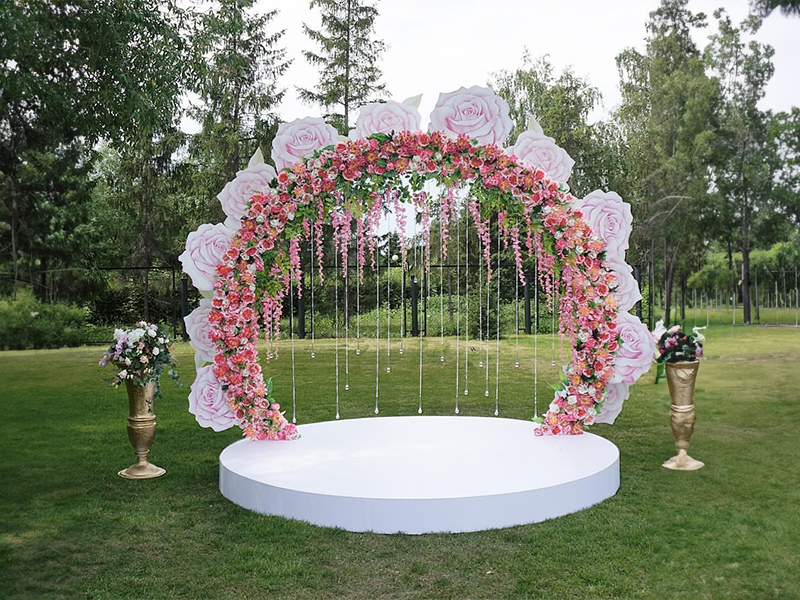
246	266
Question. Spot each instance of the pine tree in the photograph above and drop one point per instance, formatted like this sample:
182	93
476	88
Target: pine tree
347	59
237	66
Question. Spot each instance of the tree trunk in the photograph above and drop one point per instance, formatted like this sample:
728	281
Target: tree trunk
746	267
683	297
668	278
347	72
14	254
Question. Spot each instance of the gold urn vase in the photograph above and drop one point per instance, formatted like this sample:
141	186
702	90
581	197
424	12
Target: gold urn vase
681	377
141	431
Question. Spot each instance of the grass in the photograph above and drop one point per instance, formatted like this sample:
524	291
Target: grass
71	528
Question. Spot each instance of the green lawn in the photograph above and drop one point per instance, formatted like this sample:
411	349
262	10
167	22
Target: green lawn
71	528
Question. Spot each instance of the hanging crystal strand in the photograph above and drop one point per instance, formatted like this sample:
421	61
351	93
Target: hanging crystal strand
553	325
311	273
535	338
377	324
458	305
402	297
417	272
497	338
346	324
480	303
291	337
488	318
441	279
358	302
336	320
516	315
388	305
466	294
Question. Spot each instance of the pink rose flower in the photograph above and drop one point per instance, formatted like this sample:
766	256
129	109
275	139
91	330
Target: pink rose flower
476	112
636	352
627	292
537	150
208	403
610	218
235	196
616	394
299	139
204	251
198	327
385	117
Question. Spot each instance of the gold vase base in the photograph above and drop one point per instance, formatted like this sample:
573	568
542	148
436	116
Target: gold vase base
142	471
683	462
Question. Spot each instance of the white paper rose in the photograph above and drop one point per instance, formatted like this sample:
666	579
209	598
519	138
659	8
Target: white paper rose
627	292
616	394
198	327
476	112
207	401
636	351
537	150
299	139
204	251
610	218
386	117
235	196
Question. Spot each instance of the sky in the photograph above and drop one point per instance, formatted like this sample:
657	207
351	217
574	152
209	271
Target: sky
438	46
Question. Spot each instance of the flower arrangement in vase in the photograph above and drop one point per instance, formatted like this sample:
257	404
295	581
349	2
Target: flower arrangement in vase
141	354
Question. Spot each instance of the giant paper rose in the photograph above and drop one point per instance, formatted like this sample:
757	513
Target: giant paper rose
636	352
616	394
235	196
204	251
627	292
208	402
198	327
299	139
476	112
610	218
386	117
538	150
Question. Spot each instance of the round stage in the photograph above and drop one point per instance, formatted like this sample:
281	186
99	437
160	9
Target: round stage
420	474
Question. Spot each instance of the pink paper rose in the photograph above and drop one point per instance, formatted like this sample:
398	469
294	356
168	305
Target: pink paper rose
537	150
616	394
299	139
610	218
636	352
385	117
627	292
208	402
198	327
235	196
204	251
477	112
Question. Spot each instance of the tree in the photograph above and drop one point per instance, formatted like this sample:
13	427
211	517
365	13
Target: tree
745	162
78	69
236	67
763	8
667	119
347	59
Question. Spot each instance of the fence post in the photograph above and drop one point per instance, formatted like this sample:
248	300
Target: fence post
184	306
414	306
301	315
526	291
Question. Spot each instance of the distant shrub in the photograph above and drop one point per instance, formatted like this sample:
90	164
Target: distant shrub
26	324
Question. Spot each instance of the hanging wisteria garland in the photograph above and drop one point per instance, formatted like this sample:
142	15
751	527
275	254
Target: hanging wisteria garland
352	181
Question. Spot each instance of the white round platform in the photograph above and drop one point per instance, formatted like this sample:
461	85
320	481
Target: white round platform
420	474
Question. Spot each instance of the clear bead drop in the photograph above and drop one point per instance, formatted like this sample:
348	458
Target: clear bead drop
270	355
358	351
376	411
516	364
466	392
486	393
337	416
346	387
294	419
401	350
388	369
496	413
456	411
552	363
313	355
480	364
441	358
419	411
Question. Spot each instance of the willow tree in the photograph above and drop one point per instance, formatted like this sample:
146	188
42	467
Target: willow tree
347	60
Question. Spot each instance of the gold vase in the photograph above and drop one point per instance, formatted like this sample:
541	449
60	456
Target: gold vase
141	431
681	377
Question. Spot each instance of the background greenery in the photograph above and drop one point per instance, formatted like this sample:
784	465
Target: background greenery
71	528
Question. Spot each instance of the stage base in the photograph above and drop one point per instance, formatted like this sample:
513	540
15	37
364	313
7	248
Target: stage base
420	474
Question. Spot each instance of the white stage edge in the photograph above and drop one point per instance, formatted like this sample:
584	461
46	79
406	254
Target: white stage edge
420	474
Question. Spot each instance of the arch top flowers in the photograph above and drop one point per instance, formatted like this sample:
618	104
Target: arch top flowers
348	183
